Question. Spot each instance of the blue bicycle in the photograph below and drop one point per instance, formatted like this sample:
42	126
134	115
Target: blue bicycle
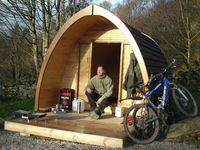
144	122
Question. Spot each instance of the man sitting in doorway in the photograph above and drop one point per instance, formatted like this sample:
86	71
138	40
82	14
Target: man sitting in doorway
99	92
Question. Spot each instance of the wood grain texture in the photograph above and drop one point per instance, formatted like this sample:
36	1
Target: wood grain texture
73	127
84	69
91	25
126	62
72	136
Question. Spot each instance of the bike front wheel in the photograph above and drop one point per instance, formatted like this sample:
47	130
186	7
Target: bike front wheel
184	100
141	124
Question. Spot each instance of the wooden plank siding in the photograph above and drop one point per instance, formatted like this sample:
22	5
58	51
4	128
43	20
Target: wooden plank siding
84	69
64	63
126	62
106	34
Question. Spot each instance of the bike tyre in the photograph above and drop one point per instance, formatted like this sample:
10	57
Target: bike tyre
178	103
155	134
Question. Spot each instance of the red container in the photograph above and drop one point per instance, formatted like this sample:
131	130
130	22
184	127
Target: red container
66	97
130	120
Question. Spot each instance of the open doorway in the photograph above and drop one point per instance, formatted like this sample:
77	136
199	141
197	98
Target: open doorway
108	55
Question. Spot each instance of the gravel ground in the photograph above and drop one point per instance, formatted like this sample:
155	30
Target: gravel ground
12	141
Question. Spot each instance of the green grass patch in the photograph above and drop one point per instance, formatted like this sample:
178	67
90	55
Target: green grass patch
7	109
192	141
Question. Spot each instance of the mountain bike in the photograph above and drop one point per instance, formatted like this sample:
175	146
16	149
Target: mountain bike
144	122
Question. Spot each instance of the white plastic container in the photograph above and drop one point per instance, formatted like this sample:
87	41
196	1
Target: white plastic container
119	111
78	105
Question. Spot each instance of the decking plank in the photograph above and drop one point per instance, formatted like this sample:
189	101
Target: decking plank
108	131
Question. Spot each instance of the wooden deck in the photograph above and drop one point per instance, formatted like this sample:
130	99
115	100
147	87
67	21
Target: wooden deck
107	131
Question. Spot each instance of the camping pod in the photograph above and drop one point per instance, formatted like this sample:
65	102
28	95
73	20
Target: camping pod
92	37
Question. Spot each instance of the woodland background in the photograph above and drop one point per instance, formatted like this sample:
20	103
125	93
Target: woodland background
27	28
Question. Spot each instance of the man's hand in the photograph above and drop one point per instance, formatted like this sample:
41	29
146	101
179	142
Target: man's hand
89	90
99	100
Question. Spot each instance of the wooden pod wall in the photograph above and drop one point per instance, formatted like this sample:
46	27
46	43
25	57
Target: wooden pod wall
93	37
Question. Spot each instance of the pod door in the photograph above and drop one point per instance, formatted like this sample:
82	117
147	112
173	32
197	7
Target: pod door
108	55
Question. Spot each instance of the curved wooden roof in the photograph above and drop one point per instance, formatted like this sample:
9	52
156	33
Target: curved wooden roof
149	56
153	57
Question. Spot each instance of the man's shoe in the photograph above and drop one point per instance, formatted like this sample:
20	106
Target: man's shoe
93	111
94	116
90	113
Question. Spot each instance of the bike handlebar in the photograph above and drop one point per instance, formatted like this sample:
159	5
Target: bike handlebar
160	75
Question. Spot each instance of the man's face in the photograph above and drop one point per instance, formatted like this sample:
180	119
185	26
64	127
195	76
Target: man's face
100	71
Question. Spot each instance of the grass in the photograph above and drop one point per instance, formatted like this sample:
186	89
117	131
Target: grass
7	108
195	91
192	141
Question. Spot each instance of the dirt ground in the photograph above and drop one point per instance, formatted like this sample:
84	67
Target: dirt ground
186	128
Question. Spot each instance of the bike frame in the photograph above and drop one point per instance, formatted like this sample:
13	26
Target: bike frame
165	83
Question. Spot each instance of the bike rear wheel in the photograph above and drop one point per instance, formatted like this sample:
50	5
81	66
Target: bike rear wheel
184	101
141	124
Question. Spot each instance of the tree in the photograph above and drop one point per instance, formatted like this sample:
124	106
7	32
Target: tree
38	16
21	13
15	55
58	14
46	23
130	10
173	24
27	28
105	4
177	28
189	23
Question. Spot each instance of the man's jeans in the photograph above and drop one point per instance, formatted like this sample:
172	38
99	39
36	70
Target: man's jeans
93	97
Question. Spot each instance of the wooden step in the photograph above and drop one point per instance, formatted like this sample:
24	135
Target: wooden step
108	131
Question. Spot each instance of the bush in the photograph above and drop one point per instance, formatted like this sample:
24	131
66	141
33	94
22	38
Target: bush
15	92
189	77
7	109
